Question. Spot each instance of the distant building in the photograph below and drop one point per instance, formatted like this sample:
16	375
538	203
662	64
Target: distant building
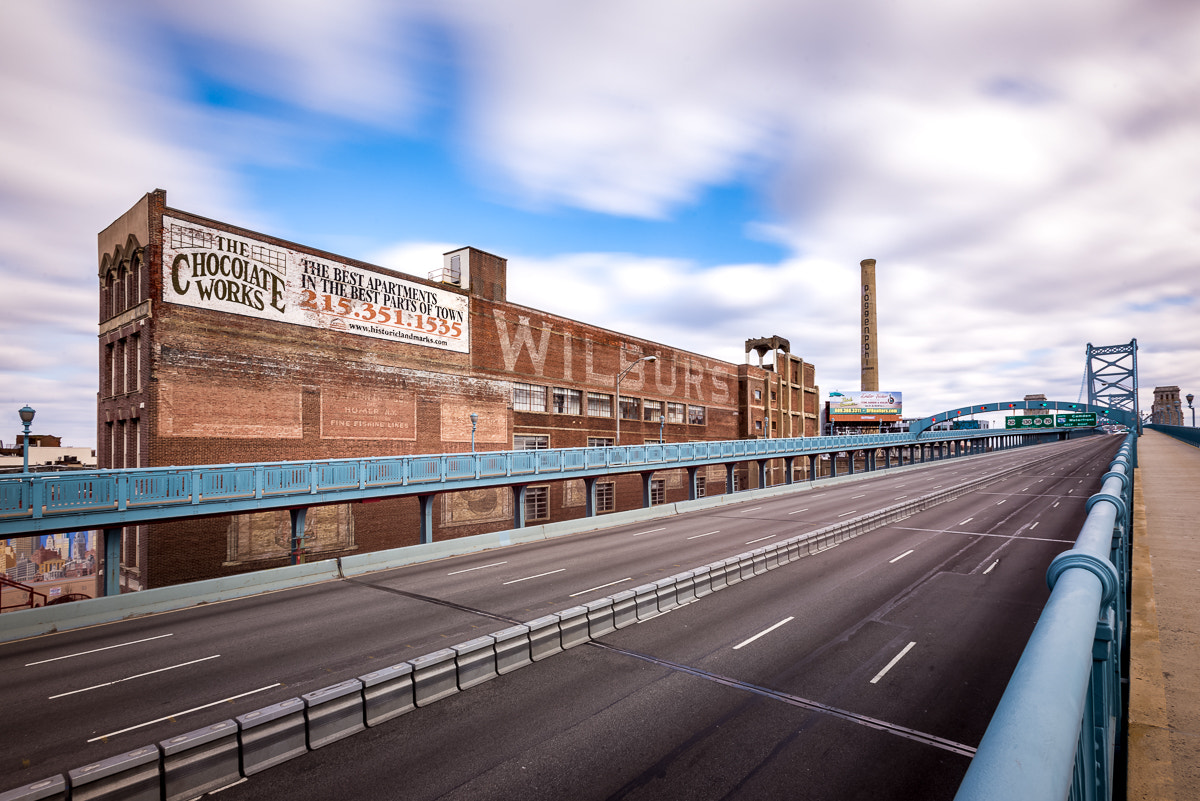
219	344
1168	408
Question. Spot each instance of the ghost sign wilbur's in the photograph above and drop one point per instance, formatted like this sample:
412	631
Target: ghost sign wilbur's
215	270
852	406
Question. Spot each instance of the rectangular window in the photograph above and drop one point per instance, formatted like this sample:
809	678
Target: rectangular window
600	442
700	486
696	415
675	412
136	356
528	398
110	370
758	424
606	500
758	394
658	489
653	441
599	405
531	442
537	503
568	401
651	410
630	408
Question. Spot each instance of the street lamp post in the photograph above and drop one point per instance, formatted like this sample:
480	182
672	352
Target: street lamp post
617	393
662	421
474	422
27	414
1190	398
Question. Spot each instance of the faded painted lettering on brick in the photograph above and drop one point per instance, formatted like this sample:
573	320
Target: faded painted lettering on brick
211	269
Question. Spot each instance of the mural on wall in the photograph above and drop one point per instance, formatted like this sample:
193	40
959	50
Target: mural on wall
477	506
220	271
268	535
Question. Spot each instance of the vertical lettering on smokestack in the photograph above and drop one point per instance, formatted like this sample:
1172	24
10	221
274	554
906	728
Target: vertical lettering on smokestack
870	338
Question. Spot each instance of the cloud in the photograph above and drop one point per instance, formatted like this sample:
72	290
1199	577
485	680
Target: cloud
1022	175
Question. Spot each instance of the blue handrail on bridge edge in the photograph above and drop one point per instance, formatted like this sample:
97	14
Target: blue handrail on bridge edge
1054	734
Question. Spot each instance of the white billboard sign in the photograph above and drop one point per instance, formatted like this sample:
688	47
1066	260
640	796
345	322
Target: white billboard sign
211	269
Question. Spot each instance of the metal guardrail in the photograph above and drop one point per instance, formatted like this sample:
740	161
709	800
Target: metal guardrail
28	502
1188	434
1054	734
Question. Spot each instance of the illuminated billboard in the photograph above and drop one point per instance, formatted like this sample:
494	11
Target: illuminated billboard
852	407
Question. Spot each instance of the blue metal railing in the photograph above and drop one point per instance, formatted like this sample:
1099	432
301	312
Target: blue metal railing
30	502
1054	733
1188	434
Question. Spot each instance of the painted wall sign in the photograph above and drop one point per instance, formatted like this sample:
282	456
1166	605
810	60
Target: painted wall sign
211	269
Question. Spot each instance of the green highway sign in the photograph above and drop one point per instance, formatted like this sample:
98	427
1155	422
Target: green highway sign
1077	420
1030	421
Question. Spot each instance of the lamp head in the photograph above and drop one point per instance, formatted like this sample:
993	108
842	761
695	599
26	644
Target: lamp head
474	418
1190	398
650	359
27	414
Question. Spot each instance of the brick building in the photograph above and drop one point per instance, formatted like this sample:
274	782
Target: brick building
223	345
1168	408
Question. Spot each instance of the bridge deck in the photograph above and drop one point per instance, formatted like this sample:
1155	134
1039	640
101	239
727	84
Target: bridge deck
1164	706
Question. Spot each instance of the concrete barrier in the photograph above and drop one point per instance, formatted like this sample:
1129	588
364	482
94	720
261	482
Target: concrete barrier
387	693
545	637
52	789
573	625
667	597
685	587
624	609
476	661
334	712
703	581
716	575
435	676
133	776
272	735
647	601
512	648
201	761
600	617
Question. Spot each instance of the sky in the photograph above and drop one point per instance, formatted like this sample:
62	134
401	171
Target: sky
694	172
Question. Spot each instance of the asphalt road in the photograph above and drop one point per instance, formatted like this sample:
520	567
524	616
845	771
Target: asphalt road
963	581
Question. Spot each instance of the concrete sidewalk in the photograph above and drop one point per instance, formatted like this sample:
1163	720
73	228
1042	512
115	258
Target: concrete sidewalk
1164	687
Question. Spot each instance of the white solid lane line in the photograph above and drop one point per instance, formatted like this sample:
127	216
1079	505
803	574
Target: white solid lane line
901	556
892	664
798	511
760	539
968	520
481	567
184	712
698	536
650	531
852	511
539	575
601	587
98	650
991	567
762	633
1000	502
852	497
131	678
755	509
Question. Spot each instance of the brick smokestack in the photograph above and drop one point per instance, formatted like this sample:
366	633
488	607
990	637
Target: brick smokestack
870	335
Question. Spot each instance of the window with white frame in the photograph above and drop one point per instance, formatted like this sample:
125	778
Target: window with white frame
531	442
528	398
658	491
700	481
568	401
600	442
651	410
599	405
537	503
676	412
696	415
